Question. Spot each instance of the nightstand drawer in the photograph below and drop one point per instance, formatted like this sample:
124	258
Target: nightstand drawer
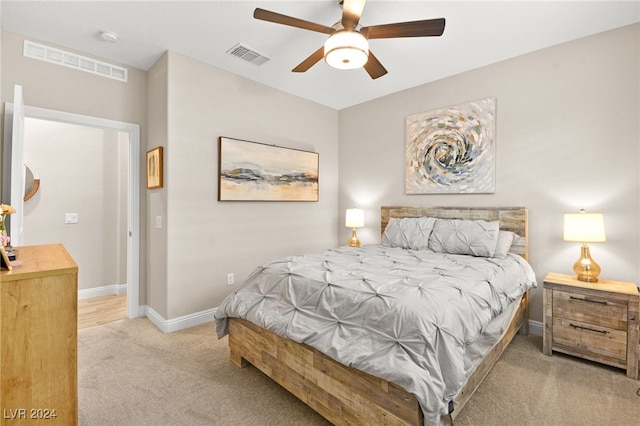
595	321
599	311
590	338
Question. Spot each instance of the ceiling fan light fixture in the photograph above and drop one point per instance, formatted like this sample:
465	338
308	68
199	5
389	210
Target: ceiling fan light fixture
346	50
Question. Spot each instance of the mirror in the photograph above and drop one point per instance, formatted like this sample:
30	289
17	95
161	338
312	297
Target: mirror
31	181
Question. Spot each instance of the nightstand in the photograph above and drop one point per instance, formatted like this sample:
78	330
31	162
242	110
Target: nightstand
596	321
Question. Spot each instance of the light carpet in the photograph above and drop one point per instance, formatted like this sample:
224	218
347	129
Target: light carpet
130	373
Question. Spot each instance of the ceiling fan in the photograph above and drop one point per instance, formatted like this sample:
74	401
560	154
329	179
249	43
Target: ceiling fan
348	44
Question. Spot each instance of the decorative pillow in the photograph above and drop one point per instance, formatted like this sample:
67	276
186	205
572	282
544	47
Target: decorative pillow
474	237
505	240
409	232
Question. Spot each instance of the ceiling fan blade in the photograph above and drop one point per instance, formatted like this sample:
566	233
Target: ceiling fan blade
266	15
351	12
373	67
310	61
425	28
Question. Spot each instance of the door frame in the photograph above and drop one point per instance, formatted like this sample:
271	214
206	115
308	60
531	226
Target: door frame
133	193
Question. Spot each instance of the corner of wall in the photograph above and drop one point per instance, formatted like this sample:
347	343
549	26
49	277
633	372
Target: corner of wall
156	199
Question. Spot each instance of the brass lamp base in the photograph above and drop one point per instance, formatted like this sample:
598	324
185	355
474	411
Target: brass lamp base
586	268
353	241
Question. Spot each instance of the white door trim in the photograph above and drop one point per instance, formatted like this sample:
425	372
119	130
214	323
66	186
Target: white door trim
133	202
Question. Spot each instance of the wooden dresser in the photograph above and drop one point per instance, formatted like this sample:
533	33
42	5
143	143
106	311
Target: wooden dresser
38	338
596	321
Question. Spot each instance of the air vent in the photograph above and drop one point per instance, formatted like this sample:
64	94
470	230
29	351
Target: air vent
246	53
82	63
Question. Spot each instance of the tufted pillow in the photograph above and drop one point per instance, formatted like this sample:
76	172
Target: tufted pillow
474	237
505	241
408	232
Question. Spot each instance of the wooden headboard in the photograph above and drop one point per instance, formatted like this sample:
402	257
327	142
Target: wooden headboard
514	219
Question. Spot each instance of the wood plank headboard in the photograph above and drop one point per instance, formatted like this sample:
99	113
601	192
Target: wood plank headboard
514	219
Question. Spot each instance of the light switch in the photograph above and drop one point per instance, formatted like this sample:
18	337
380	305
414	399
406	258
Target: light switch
70	218
159	222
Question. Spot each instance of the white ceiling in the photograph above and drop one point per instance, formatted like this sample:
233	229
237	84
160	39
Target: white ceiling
477	33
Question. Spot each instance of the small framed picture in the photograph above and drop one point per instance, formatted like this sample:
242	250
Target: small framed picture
4	259
154	168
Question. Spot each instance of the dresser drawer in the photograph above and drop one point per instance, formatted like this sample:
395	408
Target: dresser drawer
588	338
601	312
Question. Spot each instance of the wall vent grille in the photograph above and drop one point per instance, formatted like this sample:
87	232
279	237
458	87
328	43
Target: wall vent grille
246	53
56	56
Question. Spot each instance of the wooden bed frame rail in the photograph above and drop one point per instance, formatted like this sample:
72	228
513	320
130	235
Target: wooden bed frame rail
342	394
346	396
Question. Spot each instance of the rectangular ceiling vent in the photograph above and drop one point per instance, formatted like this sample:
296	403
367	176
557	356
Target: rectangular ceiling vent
246	53
67	59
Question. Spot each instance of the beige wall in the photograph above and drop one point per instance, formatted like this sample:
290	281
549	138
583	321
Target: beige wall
82	170
59	88
208	239
567	138
190	105
157	119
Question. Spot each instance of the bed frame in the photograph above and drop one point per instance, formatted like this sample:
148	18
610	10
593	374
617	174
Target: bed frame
344	395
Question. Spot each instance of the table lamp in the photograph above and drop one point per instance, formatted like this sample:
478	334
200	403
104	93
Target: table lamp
354	219
585	228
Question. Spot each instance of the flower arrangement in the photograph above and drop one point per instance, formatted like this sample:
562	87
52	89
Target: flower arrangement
5	209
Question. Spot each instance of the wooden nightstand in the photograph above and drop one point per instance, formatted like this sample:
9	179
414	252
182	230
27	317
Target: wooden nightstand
596	321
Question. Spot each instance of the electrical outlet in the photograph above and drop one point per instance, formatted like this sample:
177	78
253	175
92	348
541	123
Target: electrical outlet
230	279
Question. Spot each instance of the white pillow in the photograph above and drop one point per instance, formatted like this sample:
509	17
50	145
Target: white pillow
472	237
505	241
408	232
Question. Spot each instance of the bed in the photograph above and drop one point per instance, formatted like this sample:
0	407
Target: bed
346	330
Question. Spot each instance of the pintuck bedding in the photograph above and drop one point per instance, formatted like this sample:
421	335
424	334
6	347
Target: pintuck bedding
405	310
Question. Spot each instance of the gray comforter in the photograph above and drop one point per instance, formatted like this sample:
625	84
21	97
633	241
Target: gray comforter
403	315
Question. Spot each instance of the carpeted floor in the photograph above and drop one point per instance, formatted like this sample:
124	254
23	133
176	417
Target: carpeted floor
129	373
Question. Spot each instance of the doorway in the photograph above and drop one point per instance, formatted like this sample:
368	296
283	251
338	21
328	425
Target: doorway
81	199
126	138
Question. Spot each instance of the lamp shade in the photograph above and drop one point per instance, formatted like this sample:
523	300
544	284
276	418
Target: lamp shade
584	227
346	50
354	218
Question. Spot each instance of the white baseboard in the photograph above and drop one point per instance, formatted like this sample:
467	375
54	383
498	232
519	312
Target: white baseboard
180	323
107	290
536	327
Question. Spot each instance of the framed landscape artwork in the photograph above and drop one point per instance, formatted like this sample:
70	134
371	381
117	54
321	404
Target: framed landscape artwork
452	150
251	171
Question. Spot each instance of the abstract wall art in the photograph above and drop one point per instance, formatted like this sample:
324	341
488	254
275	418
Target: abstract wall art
452	150
251	171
